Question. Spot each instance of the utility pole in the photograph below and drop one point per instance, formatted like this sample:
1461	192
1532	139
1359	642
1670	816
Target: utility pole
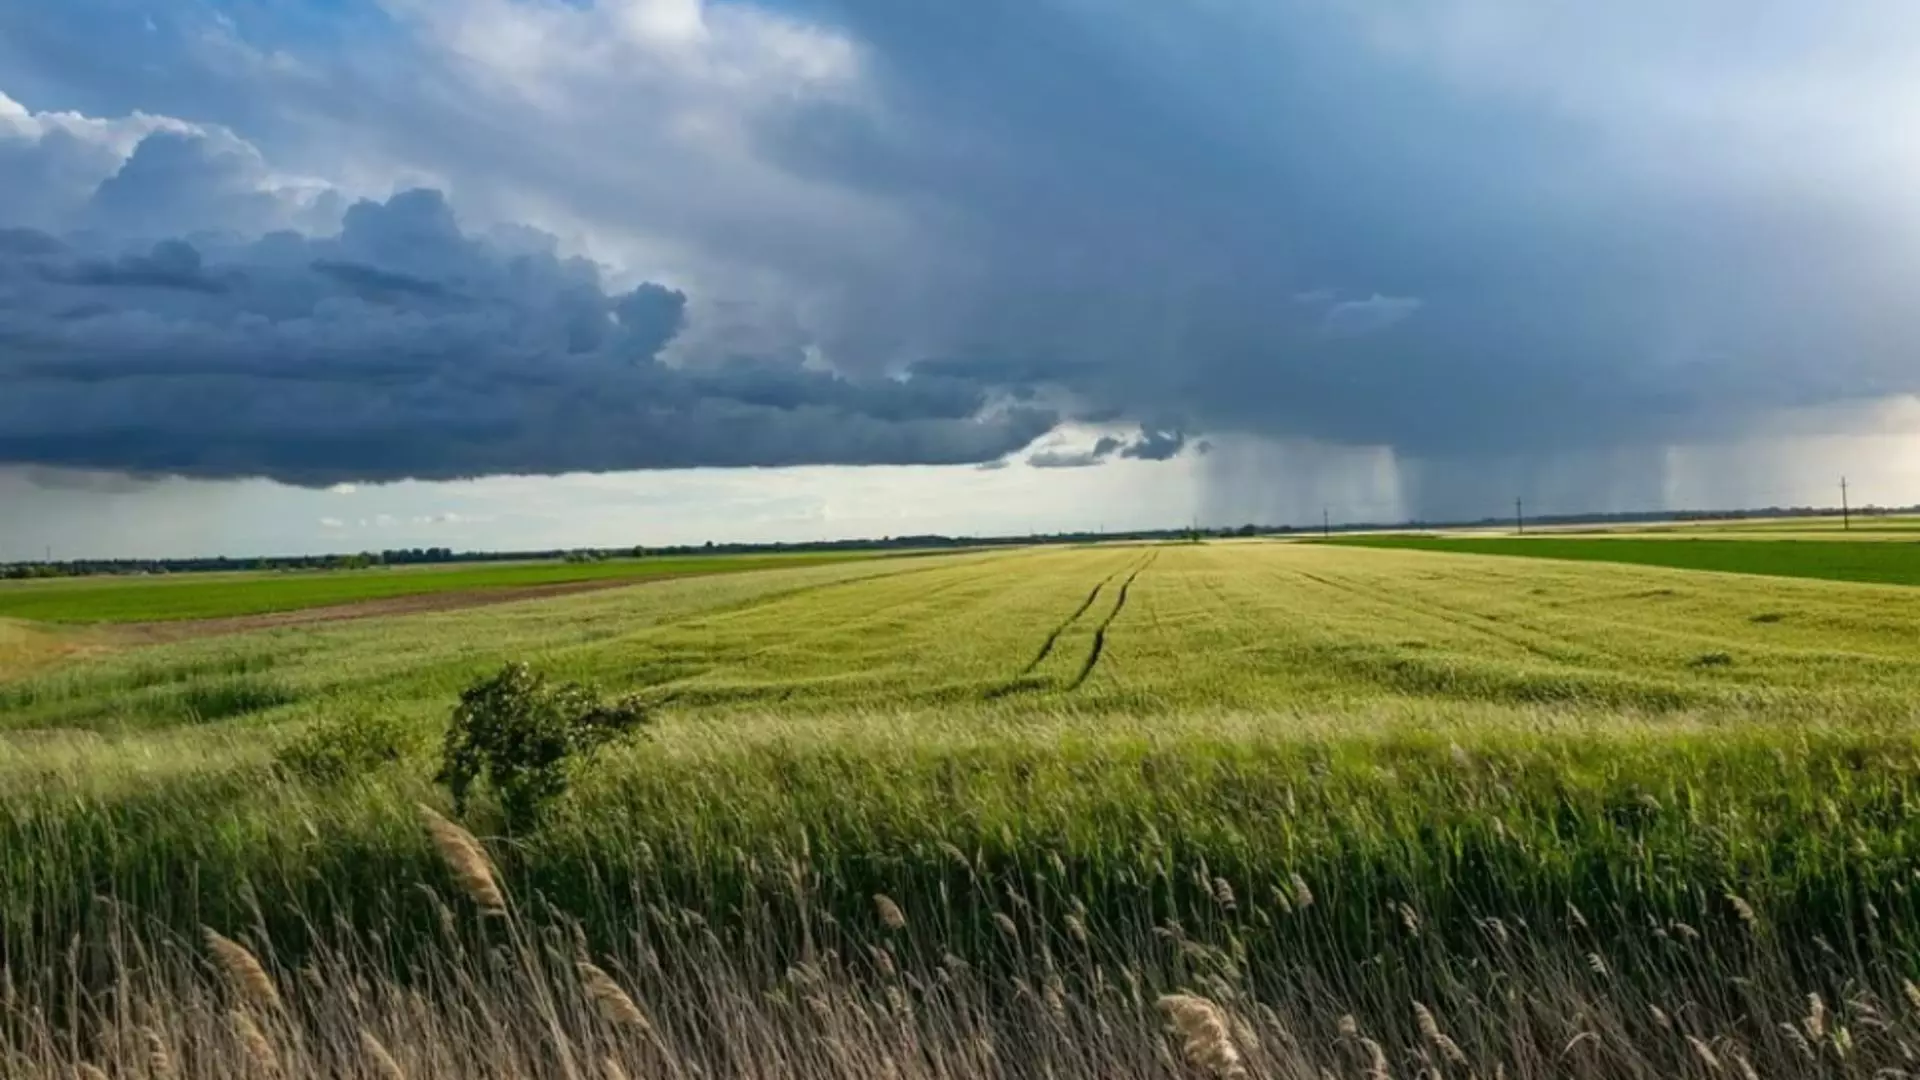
1326	523
1846	518
1519	519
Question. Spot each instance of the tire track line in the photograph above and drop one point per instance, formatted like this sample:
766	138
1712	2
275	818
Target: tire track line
1100	632
1014	685
1046	647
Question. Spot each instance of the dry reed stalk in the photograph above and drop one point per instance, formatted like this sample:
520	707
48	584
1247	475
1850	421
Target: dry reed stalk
467	860
1816	1018
254	1042
1430	1029
84	1071
611	1000
1205	1037
1705	1053
384	1065
243	970
1799	1041
1745	910
1302	896
1575	1042
1376	1060
1076	928
159	1062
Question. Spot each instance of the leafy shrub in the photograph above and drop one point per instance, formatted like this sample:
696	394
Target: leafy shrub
348	746
524	735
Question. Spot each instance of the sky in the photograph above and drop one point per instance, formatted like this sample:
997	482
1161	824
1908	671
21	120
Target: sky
324	275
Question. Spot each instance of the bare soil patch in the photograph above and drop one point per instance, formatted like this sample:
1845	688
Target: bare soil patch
415	604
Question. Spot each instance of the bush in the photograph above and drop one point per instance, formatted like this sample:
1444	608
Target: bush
349	746
524	736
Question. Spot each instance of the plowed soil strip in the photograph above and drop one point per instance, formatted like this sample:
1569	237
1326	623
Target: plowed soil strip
416	604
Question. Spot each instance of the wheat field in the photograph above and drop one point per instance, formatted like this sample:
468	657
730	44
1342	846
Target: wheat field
1234	809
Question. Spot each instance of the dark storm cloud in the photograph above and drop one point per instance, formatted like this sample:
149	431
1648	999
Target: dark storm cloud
171	264
1467	231
405	348
1312	234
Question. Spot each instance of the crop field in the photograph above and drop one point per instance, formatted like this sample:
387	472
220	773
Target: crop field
220	595
1838	560
1223	809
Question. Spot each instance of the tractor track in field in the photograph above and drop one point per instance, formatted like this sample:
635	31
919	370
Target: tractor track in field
1100	632
1046	647
1017	684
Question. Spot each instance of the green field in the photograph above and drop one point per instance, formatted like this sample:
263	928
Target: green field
1311	779
219	595
1892	563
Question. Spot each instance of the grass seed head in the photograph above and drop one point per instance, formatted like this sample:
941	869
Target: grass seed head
243	970
159	1061
1205	1037
1705	1053
890	914
613	1002
1076	928
383	1065
1816	1022
467	860
1744	910
1376	1060
1430	1030
254	1042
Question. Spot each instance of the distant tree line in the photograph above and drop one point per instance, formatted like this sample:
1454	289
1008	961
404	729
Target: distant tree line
923	541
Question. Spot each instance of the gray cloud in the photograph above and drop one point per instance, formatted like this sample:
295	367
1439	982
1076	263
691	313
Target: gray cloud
1065	459
1155	445
404	347
1147	446
1468	232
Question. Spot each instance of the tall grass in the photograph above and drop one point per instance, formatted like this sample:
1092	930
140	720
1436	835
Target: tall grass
780	985
1632	827
1365	813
